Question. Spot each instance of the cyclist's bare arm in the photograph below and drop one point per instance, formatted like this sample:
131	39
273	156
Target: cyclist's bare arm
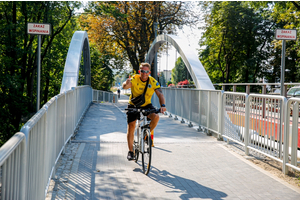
161	98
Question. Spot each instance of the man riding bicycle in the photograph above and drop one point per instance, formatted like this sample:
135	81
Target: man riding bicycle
137	83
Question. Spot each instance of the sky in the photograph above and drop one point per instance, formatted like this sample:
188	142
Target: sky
192	35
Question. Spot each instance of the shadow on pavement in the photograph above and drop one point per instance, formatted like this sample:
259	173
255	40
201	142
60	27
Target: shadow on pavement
188	188
162	149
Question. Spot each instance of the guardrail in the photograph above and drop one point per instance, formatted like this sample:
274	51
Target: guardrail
12	162
99	96
258	122
28	159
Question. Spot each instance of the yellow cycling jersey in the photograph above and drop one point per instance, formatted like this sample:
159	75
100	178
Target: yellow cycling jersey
138	87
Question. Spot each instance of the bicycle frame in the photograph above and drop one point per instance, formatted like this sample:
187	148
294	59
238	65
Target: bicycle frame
140	146
139	124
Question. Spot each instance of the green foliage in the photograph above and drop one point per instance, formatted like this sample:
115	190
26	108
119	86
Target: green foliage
125	29
19	62
180	72
101	74
239	43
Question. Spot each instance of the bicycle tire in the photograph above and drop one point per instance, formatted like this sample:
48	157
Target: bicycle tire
136	152
136	146
146	155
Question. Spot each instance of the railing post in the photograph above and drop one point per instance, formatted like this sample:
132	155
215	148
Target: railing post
286	137
264	91
283	104
175	104
23	185
233	100
247	119
221	107
46	159
200	124
190	109
97	96
208	112
294	133
65	122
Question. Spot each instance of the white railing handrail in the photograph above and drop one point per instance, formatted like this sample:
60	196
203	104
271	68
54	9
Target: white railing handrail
230	131
13	148
8	148
32	153
28	159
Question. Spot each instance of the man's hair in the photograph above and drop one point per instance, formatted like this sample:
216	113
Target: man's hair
145	65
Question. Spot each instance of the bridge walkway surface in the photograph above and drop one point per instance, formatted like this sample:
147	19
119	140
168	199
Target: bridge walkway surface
186	164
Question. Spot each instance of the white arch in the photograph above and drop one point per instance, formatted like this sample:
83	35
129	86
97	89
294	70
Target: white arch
190	59
79	43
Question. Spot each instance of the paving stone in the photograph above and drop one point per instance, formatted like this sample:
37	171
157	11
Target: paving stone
186	164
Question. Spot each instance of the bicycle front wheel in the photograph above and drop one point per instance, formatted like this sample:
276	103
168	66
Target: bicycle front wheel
136	146
146	155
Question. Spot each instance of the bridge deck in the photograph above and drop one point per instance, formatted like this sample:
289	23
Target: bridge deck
186	164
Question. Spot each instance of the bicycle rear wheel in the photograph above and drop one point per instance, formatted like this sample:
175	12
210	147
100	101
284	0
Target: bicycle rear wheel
146	155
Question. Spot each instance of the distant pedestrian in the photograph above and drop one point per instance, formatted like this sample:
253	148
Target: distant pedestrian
119	91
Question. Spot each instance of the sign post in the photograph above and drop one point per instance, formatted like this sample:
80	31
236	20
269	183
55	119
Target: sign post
284	34
38	29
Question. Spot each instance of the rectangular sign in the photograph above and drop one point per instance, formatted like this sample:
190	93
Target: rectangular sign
38	29
286	34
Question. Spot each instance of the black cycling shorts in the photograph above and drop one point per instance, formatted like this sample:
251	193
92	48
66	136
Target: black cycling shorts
134	116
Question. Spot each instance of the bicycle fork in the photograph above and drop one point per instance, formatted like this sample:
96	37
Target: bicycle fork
140	137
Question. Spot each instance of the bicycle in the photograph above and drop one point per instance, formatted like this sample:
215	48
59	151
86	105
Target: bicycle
143	144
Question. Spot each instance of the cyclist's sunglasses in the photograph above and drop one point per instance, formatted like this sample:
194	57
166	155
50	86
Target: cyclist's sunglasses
145	71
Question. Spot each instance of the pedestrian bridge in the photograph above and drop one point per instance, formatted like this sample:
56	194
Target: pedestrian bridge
76	145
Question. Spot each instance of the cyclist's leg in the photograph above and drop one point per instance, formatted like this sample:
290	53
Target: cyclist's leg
131	121
154	121
130	134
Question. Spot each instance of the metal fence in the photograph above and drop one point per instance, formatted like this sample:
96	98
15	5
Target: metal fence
263	123
259	122
102	96
28	159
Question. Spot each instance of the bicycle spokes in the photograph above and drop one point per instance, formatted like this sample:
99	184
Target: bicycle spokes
146	155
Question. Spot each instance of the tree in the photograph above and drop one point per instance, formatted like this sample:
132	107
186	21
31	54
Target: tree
285	15
125	29
18	57
180	72
101	74
237	40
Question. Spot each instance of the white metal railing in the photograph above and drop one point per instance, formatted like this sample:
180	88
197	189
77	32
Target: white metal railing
256	121
291	134
100	96
28	159
12	160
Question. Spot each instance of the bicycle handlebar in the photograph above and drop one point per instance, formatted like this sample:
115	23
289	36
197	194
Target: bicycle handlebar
145	112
